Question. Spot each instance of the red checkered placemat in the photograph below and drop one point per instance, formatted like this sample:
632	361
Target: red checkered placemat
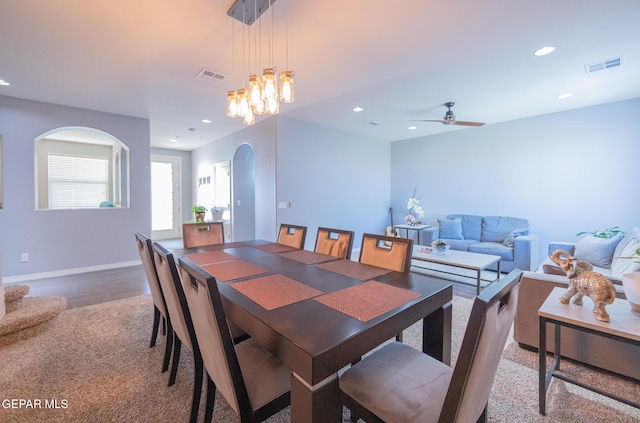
367	300
274	248
307	257
353	269
275	291
236	269
210	257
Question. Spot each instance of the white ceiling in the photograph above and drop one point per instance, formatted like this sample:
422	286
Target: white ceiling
399	60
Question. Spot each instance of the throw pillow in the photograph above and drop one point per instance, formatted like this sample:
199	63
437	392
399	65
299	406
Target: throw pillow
450	229
510	239
597	251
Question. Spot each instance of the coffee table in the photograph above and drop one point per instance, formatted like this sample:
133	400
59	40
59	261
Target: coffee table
460	259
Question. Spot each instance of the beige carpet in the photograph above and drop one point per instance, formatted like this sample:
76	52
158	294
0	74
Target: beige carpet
95	363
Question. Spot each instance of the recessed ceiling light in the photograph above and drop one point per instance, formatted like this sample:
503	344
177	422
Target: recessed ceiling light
3	82
544	51
411	128
173	140
206	121
565	95
358	109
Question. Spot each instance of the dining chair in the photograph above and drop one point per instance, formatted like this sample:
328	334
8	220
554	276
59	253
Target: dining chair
179	322
202	233
386	252
334	242
292	235
255	383
399	384
159	305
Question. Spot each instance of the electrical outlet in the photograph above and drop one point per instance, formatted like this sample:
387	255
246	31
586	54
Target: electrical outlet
24	257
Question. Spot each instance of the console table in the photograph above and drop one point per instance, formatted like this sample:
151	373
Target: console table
624	327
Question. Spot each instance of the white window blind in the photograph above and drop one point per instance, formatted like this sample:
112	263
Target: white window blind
77	181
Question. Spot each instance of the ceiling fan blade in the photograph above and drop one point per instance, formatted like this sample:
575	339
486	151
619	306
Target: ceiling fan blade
463	123
427	120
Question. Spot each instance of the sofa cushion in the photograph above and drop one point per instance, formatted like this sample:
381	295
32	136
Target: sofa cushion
471	225
497	228
450	228
510	239
493	248
626	248
597	251
460	244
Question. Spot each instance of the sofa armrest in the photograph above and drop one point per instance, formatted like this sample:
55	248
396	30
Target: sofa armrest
430	234
569	247
526	252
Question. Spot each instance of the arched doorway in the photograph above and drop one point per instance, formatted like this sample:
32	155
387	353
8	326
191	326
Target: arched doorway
243	172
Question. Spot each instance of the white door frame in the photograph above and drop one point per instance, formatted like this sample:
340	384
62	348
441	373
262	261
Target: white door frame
176	162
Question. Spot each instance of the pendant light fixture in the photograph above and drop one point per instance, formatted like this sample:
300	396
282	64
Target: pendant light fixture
232	96
286	77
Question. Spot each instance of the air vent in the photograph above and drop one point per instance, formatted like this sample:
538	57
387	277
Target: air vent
605	64
211	76
371	124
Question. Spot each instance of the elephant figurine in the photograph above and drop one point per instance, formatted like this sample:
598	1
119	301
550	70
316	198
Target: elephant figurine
584	281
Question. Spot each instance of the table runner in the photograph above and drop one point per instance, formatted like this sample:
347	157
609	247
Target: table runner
367	300
274	248
275	291
307	257
353	269
210	257
236	269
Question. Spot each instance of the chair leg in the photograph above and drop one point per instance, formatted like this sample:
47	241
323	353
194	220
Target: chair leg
483	416
211	398
167	348
197	386
164	326
399	337
156	324
177	346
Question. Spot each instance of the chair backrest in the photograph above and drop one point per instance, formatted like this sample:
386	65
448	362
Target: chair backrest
481	350
212	330
292	235
179	314
148	264
387	252
334	242
202	233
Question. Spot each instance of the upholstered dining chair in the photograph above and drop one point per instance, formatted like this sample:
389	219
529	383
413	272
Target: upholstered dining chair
292	235
400	384
159	306
255	383
334	242
179	323
387	252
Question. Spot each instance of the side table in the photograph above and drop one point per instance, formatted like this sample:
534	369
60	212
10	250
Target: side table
624	327
417	228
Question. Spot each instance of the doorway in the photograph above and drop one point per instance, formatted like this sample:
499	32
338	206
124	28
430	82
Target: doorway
222	197
166	197
244	193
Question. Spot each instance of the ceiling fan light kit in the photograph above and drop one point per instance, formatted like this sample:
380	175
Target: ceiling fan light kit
450	118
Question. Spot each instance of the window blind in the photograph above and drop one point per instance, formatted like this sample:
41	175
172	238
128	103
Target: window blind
77	181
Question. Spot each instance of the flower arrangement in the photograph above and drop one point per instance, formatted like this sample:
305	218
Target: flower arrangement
416	213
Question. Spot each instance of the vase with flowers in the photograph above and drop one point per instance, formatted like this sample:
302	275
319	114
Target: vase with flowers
416	213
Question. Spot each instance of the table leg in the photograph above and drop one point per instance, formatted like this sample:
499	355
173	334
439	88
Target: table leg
317	403
542	365
436	334
478	279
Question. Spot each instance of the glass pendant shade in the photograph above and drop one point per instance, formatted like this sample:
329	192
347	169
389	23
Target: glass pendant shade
243	102
255	94
232	103
249	117
270	90
286	86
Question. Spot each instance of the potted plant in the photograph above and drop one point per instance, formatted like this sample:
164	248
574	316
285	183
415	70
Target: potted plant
199	212
607	233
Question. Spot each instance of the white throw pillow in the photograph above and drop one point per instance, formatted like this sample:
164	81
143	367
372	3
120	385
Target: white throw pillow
626	248
597	251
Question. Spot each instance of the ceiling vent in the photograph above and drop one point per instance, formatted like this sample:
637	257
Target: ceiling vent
371	124
211	76
605	64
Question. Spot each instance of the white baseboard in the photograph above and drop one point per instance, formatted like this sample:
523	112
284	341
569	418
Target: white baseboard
66	272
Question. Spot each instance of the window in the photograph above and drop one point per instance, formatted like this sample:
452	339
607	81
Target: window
77	182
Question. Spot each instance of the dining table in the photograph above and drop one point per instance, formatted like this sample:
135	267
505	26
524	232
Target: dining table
318	314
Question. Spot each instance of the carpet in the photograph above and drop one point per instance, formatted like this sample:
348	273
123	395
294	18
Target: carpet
94	364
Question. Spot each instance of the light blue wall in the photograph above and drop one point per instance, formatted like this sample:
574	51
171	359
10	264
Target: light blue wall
565	172
332	179
66	239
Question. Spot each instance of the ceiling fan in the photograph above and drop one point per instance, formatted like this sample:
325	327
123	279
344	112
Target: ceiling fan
450	118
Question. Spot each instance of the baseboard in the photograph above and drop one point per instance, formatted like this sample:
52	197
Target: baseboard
66	272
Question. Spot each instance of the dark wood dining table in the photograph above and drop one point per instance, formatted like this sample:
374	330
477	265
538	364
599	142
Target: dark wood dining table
311	337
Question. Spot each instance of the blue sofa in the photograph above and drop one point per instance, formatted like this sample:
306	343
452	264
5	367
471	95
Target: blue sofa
507	237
